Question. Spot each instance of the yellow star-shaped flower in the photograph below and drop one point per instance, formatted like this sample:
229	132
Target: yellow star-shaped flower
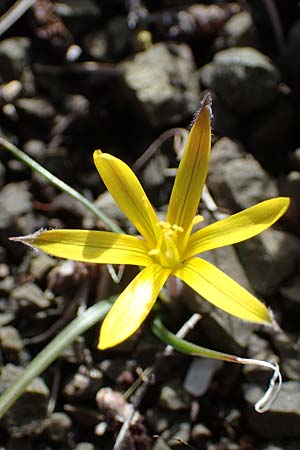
165	248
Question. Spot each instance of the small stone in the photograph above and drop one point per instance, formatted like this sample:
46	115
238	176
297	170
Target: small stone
173	397
236	179
283	417
30	296
160	444
14	57
57	427
200	374
11	344
83	385
162	82
200	432
233	70
180	432
96	44
38	110
238	31
26	417
40	265
15	199
268	259
84	446
78	15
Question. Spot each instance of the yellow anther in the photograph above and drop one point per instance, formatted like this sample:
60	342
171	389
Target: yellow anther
177	228
197	219
154	251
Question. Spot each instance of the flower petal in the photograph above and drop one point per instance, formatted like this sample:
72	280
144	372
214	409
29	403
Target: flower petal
132	306
90	246
222	291
192	171
238	227
128	193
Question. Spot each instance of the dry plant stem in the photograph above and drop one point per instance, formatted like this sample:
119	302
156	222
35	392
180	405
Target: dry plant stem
64	339
147	375
141	161
14	13
59	184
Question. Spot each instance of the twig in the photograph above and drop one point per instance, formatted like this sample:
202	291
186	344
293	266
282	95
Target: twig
14	13
184	330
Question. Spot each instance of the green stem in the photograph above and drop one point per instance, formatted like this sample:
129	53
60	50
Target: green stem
59	184
63	340
188	347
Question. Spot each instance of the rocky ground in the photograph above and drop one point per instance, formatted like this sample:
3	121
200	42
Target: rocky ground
76	75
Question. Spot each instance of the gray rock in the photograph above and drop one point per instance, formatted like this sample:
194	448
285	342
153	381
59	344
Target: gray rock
15	199
83	385
160	444
30	296
200	431
84	446
173	397
282	419
14	57
162	82
200	374
57	427
268	259
236	179
11	344
179	432
238	31
26	416
40	265
38	109
244	78
95	44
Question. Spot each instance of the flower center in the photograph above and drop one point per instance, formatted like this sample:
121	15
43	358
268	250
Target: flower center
166	251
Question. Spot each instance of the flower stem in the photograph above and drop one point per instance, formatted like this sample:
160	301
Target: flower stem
52	351
59	184
192	349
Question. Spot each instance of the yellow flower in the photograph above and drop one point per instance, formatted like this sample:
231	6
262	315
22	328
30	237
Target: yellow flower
165	248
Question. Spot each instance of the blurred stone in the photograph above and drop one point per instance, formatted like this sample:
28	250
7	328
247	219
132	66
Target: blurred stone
37	110
282	419
200	374
11	344
179	432
95	44
40	265
259	348
14	57
83	385
234	70
15	199
238	31
57	427
30	297
199	432
160	444
26	416
236	179
268	259
84	446
162	83
289	354
224	120
173	397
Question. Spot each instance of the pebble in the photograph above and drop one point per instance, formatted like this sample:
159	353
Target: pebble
233	70
14	57
174	95
200	374
30	297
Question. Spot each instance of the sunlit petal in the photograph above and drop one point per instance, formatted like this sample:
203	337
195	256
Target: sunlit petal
90	246
192	171
220	290
238	227
132	306
128	193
